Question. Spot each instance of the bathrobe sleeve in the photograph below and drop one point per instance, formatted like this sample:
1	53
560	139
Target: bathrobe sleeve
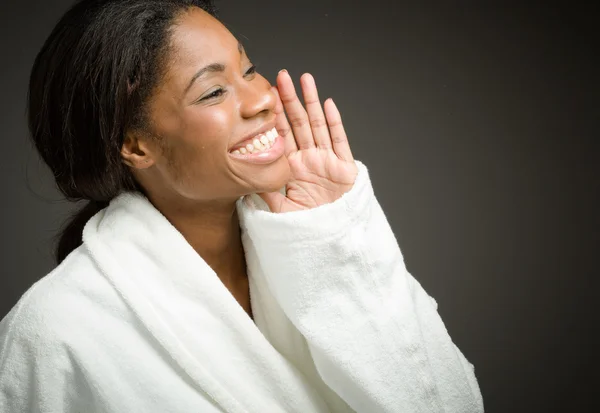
374	333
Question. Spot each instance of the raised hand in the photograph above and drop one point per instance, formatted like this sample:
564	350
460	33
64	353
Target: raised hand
316	146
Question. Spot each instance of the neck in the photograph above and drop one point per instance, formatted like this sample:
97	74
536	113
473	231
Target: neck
212	229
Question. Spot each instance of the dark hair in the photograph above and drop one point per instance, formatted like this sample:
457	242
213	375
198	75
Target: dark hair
89	84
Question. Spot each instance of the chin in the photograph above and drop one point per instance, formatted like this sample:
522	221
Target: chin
272	177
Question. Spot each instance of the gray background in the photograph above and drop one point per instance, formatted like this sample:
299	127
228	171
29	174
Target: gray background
476	124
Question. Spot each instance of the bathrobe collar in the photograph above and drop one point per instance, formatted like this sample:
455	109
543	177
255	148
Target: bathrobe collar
190	314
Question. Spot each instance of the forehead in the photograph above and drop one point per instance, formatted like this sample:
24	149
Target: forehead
199	39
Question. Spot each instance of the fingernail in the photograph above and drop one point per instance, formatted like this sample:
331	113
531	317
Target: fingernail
283	70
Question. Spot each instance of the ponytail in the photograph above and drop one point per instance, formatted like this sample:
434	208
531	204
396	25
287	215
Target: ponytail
71	236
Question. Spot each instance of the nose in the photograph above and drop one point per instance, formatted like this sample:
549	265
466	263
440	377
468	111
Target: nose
256	98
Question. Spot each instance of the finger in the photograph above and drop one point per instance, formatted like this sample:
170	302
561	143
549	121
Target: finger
282	125
336	129
295	111
316	117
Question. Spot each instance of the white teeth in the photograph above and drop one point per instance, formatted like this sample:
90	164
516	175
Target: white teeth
272	135
260	143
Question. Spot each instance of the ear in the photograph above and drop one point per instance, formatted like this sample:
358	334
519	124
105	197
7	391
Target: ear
138	152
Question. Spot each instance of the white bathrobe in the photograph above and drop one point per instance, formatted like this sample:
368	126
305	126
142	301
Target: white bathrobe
134	320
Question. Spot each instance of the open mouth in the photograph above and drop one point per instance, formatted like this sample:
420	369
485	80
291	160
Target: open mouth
262	149
260	143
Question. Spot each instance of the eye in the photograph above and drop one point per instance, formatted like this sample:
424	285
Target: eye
251	71
214	94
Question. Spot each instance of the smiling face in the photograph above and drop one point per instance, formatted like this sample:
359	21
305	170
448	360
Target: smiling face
209	104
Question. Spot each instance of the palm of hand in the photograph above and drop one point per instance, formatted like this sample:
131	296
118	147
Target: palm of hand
318	177
320	160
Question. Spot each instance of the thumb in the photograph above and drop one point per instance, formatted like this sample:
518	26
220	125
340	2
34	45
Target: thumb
274	200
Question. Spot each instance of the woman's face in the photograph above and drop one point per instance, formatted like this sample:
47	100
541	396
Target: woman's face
208	103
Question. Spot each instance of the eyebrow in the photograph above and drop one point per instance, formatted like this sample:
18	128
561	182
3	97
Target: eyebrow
211	68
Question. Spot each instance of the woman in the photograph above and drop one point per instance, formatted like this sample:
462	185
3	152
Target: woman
152	112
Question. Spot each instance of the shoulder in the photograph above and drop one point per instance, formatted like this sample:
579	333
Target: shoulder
45	334
54	309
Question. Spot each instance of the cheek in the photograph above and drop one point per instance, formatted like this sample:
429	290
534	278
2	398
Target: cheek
209	128
203	134
198	156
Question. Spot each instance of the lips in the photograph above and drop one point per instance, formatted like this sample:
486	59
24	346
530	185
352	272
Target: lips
266	155
260	142
249	139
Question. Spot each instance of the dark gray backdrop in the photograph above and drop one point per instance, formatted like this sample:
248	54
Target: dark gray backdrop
480	127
